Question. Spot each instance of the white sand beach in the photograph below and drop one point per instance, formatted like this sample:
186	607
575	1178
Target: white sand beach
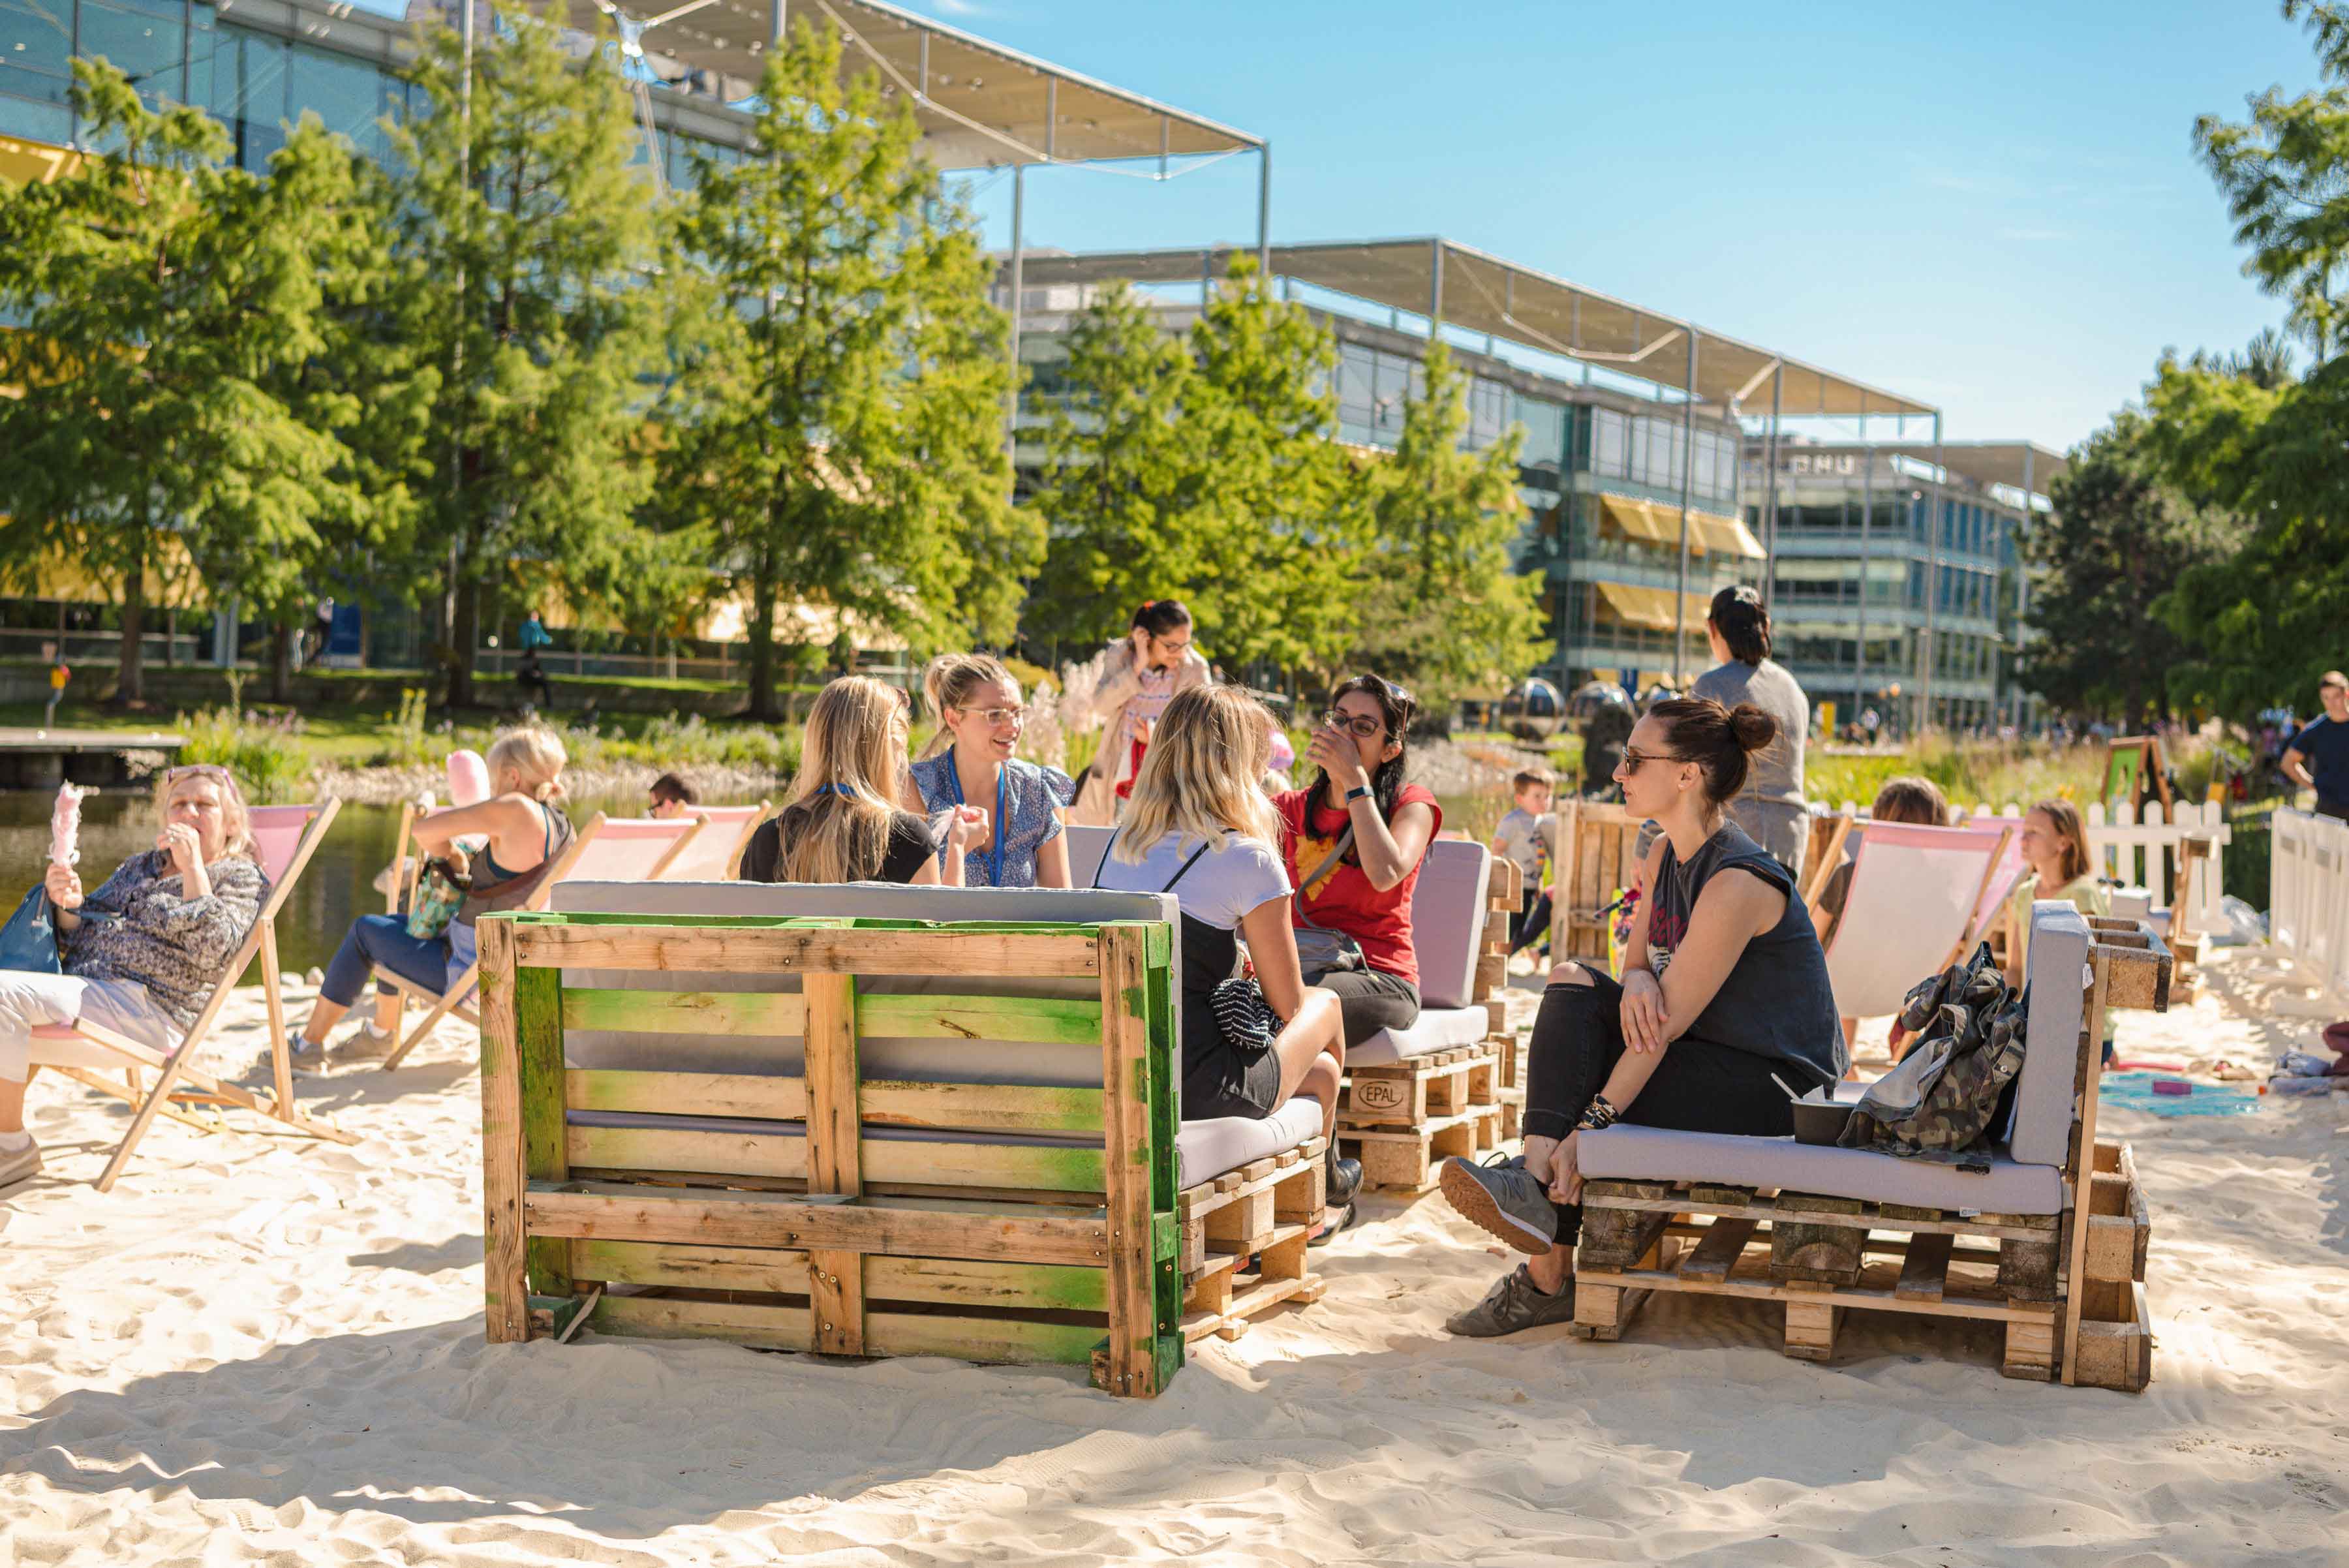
264	1349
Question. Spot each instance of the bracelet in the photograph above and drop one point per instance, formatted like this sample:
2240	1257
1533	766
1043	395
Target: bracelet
1360	791
1599	1117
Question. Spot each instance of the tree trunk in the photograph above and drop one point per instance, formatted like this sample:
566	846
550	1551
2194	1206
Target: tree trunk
130	686
282	635
762	644
464	637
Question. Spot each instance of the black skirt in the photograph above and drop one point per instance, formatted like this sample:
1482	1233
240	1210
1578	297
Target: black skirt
1223	1077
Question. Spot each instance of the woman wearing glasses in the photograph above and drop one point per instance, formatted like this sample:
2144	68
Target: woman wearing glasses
1354	840
141	954
1125	690
526	831
1724	988
844	823
969	763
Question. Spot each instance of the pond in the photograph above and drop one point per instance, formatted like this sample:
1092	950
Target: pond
339	885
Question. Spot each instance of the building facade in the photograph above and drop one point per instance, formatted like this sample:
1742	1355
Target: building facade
1900	584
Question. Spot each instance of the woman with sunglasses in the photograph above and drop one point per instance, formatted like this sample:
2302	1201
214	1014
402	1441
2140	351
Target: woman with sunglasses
1354	840
969	762
1124	690
139	956
1724	988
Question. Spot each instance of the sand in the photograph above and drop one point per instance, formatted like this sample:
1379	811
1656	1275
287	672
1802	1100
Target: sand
266	1349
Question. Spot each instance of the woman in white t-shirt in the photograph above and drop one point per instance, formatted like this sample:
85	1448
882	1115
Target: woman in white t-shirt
1199	827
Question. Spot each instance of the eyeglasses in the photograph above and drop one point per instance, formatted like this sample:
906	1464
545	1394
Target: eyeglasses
1169	645
997	718
1362	725
1635	759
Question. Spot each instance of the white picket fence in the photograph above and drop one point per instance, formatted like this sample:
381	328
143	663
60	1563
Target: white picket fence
2308	894
2143	854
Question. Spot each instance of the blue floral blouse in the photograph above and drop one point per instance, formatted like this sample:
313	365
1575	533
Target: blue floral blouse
1033	798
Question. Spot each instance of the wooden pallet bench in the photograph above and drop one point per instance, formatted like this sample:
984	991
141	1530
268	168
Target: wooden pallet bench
2068	1289
839	1208
1242	1249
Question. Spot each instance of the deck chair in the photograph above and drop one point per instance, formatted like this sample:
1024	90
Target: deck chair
631	848
287	836
1918	899
714	851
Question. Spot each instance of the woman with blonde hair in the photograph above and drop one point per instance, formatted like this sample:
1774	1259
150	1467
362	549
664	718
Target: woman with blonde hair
969	761
843	824
1200	828
139	956
526	833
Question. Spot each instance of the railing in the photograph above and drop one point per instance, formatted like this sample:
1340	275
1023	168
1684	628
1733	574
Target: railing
2144	853
2308	894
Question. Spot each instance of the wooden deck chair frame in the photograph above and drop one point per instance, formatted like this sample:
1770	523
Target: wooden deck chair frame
176	1073
741	840
455	1000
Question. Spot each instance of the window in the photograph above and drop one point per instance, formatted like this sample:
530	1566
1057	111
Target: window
142	44
346	95
1611	443
1396	379
1488	412
1544	422
35	51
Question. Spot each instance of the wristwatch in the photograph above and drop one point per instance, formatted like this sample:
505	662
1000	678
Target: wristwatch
1360	791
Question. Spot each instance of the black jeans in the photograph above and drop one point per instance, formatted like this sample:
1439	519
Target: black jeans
1532	922
1370	999
1699	1087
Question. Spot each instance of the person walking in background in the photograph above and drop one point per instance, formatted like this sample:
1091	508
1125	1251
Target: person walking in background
533	634
1770	809
1524	837
2318	757
1123	691
58	676
969	761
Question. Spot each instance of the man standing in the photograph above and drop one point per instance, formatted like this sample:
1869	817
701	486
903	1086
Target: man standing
2318	757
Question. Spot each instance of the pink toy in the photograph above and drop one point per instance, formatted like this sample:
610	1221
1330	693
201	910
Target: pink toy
469	778
2172	1086
1284	755
65	826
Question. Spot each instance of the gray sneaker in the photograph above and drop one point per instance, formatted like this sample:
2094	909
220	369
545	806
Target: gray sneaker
365	1042
1500	1197
1514	1304
22	1166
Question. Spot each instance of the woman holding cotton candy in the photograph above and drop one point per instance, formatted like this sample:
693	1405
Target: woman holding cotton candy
139	956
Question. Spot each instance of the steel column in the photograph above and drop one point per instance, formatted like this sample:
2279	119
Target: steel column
1934	511
2022	577
1688	482
1770	493
1866	517
1264	210
1435	288
1019	219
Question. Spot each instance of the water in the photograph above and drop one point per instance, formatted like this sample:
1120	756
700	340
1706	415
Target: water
339	885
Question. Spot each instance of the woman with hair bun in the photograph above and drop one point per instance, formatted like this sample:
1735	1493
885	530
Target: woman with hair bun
1770	807
1724	984
1124	690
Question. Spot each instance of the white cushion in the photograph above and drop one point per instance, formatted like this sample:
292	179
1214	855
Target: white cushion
1626	1153
1436	1029
2041	1132
1447	920
1205	1150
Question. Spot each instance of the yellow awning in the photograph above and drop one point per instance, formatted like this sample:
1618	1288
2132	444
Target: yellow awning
1726	535
24	163
1658	523
1637	519
1651	607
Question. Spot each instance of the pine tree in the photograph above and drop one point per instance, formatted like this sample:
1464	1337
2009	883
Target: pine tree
1120	476
1441	608
837	419
166	299
526	245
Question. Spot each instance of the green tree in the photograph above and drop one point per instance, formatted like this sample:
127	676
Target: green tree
525	245
165	300
2120	536
1441	608
837	423
2282	174
1120	475
1275	519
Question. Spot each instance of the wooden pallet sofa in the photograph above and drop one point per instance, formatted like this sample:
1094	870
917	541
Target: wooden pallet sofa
2050	1242
969	1147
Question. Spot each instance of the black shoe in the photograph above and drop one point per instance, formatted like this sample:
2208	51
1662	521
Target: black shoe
1335	1222
1345	1180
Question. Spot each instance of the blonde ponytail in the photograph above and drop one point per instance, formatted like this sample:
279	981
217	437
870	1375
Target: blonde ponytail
948	683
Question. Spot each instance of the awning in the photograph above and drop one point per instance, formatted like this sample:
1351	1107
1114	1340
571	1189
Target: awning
24	163
1709	533
1651	607
1638	520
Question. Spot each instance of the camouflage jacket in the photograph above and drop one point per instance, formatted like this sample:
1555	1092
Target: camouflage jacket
1940	1102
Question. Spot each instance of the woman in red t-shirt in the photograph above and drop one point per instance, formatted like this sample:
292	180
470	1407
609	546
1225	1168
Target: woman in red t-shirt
1367	894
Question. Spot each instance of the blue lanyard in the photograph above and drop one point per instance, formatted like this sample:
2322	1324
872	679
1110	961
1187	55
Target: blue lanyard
1002	777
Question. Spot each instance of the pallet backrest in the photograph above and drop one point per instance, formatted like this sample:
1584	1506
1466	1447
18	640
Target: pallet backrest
875	1058
2041	1130
1447	920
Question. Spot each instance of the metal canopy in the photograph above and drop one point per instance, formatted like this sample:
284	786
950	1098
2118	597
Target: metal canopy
1476	292
979	103
2017	465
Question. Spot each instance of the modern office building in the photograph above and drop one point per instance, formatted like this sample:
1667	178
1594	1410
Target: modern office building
1899	582
1621	462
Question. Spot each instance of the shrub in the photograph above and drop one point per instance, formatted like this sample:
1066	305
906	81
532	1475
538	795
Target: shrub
266	755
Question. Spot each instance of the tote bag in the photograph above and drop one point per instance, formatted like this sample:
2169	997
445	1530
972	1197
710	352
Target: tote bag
28	942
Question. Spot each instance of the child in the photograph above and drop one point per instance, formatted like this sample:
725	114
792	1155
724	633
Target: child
1908	799
58	676
1524	838
2056	848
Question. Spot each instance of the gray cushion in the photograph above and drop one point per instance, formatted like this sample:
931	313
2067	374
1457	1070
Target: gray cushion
1436	1029
1653	1154
1088	848
2040	1133
1447	920
1206	1149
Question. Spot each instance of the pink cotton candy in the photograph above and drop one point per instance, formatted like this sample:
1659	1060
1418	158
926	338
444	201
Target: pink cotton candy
469	778
65	826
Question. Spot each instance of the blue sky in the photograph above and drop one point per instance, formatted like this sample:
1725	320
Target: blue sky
1990	206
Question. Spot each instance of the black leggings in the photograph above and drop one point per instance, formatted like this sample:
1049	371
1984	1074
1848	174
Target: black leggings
1699	1087
1531	924
1370	999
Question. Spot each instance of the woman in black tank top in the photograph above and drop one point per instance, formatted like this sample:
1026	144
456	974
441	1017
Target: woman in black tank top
1724	983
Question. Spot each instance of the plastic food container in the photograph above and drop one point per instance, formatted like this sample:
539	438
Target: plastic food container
1820	1121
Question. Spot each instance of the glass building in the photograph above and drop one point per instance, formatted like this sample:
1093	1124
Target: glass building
1899	582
